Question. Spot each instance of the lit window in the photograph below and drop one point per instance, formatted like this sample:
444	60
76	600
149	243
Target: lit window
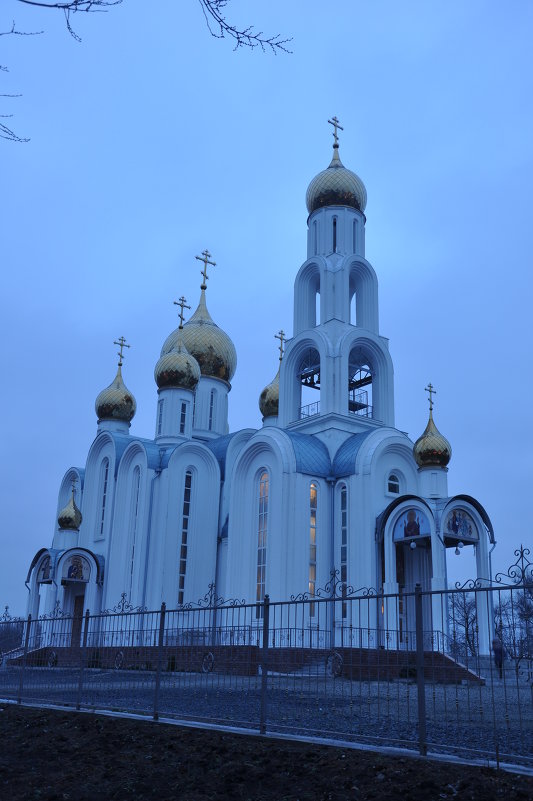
133	521
344	547
393	484
186	516
262	528
313	500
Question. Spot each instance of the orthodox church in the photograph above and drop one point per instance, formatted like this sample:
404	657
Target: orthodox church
327	483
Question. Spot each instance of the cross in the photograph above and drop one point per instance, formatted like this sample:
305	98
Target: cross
334	121
431	391
281	336
205	258
122	344
182	303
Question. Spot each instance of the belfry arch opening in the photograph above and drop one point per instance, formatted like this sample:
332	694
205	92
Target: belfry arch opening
308	375
360	381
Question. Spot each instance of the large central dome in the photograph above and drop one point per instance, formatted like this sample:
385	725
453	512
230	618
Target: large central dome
207	343
336	186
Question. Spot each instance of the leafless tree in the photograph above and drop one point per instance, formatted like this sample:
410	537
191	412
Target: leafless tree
462	616
213	11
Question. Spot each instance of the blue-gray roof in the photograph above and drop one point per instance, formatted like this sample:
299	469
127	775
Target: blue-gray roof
157	457
344	461
219	448
312	456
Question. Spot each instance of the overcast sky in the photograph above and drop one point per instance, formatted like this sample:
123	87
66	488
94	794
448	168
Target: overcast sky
151	141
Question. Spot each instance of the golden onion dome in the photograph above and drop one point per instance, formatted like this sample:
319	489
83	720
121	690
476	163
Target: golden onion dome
207	343
116	402
269	398
177	368
336	186
432	449
70	517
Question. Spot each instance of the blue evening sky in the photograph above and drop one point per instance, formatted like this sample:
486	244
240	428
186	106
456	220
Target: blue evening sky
151	141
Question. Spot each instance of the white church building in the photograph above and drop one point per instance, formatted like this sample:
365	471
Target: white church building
328	483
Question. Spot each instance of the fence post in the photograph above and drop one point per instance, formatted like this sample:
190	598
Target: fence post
264	665
83	656
162	615
420	679
26	642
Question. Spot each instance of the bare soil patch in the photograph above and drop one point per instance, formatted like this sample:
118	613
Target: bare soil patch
57	756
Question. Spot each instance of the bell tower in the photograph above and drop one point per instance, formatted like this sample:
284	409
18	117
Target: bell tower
337	363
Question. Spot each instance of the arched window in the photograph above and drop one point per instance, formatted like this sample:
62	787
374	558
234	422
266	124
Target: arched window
134	517
393	484
334	235
315	237
211	409
185	530
354	236
359	384
309	378
313	505
262	530
103	488
344	546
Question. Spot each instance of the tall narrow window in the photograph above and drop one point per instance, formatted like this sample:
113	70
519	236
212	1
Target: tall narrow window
262	528
313	498
344	547
133	522
194	409
211	409
315	237
160	416
354	236
186	516
104	473
334	235
183	417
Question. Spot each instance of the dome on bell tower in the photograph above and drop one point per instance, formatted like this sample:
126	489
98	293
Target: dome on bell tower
336	185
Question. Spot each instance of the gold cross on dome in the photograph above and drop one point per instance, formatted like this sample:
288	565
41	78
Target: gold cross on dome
74	481
205	258
281	336
431	392
121	342
334	121
182	303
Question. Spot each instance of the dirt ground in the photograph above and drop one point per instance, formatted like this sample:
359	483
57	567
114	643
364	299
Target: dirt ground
57	756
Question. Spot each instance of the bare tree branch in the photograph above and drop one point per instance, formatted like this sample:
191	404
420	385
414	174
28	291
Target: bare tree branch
219	27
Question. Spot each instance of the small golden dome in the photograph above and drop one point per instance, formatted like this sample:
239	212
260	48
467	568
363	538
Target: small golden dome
269	398
336	186
432	449
116	402
207	343
70	517
177	368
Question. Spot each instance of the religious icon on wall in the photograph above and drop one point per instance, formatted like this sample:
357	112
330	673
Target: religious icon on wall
76	568
43	574
412	523
460	524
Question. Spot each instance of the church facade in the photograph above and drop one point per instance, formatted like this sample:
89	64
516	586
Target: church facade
326	484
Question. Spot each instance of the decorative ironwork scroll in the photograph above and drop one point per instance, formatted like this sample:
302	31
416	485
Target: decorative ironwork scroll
211	600
124	606
520	572
337	589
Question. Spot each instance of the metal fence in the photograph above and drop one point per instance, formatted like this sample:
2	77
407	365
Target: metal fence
422	670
